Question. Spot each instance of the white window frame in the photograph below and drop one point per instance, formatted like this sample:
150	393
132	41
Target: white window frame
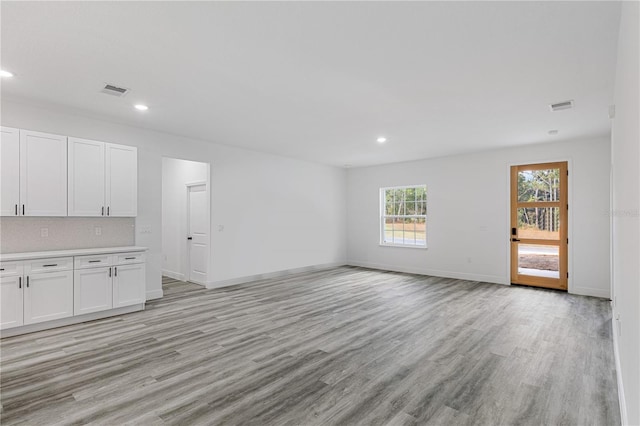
383	216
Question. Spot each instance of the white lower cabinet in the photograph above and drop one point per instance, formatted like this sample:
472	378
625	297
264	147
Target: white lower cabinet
92	290
126	285
39	290
11	301
48	296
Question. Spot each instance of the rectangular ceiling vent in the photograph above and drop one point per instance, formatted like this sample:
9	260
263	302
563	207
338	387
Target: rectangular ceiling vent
113	90
561	105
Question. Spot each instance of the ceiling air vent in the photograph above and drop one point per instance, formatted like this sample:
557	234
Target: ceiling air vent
113	90
561	105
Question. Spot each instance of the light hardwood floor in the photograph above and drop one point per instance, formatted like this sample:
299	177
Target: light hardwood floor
344	346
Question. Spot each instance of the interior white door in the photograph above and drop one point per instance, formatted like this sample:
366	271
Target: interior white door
92	290
121	180
48	296
43	174
198	229
11	302
86	178
9	171
128	285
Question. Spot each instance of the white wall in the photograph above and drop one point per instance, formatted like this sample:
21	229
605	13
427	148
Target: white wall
176	174
278	213
625	155
467	214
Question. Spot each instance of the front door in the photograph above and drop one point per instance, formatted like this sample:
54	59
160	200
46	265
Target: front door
539	225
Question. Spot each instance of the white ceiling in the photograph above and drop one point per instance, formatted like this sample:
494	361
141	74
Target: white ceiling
321	81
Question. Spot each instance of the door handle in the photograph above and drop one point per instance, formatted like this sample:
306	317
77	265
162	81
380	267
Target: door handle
102	210
189	238
115	269
27	281
23	210
19	282
16	210
109	272
515	240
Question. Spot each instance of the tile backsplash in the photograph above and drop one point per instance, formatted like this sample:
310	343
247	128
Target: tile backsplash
25	234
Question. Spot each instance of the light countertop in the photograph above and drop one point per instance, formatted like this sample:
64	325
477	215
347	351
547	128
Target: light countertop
9	257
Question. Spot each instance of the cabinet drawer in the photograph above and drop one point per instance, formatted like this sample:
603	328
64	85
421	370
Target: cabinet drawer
126	258
10	269
47	265
95	261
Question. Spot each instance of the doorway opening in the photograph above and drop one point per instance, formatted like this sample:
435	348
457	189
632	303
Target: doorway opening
539	224
186	219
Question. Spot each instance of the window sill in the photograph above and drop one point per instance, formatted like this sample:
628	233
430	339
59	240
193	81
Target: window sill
403	246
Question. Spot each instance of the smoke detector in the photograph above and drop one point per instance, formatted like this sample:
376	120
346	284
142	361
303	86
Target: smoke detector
561	105
113	90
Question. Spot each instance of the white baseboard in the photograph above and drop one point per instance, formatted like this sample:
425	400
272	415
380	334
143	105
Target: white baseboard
269	275
616	354
432	272
70	320
171	274
154	294
590	291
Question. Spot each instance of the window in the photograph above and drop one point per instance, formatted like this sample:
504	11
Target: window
403	216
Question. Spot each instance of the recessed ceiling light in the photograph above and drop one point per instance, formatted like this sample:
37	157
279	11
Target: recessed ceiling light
141	107
553	132
381	139
7	74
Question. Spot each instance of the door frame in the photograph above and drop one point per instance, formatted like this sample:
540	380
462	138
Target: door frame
569	161
187	274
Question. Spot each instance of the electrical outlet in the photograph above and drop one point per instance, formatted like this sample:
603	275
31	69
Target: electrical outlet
44	232
98	230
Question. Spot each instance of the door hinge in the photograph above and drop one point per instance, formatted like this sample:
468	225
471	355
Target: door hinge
567	172
567	275
567	241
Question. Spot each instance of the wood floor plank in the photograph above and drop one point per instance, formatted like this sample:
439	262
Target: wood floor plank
342	346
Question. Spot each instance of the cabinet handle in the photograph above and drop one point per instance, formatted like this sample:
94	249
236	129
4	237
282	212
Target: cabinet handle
19	282
50	265
23	210
1	269
95	261
108	208
129	258
109	272
16	210
116	270
102	210
27	281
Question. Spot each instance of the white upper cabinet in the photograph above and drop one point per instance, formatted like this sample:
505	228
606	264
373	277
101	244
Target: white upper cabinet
10	176
43	174
121	180
103	179
86	178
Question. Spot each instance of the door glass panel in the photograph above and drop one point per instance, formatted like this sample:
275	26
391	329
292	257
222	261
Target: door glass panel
539	223
539	185
539	260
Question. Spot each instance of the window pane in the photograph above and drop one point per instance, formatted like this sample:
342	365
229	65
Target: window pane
421	231
409	231
539	223
538	260
539	185
388	230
